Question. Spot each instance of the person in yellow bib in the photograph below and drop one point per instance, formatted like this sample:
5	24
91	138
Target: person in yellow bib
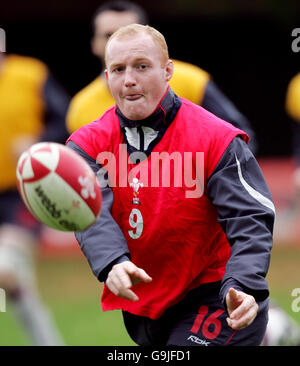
33	107
292	105
189	81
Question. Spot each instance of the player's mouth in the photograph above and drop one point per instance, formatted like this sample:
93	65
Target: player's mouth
133	97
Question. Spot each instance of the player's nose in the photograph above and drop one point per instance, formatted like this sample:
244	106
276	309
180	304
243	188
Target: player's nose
129	78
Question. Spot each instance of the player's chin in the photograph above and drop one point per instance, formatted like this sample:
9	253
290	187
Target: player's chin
136	112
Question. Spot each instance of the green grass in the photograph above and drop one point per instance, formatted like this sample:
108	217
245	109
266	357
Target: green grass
72	294
284	276
81	323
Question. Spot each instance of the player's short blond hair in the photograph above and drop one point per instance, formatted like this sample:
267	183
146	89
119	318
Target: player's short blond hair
134	29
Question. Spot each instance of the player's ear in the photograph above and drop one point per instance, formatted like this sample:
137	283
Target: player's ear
169	69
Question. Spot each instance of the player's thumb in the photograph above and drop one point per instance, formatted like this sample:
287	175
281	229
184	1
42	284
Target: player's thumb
141	275
232	299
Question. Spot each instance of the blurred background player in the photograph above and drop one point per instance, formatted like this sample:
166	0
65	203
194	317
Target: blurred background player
189	81
293	111
33	107
282	330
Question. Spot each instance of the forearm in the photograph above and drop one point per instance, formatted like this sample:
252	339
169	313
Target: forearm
246	214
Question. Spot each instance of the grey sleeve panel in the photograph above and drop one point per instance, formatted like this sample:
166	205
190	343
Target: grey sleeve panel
246	213
103	243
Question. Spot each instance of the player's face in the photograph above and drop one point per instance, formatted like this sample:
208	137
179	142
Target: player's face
136	75
106	24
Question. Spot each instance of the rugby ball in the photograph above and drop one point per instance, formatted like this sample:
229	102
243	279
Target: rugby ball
58	187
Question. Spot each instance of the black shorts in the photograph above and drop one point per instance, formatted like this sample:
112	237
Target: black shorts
14	211
198	320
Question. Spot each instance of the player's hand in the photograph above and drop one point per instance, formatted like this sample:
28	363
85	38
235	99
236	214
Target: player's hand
123	276
242	309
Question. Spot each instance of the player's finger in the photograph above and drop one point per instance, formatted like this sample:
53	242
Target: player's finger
129	295
122	292
247	304
243	321
123	276
116	287
233	300
118	279
136	274
119	274
232	293
233	296
142	275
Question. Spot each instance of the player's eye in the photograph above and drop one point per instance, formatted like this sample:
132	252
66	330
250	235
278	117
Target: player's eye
118	69
142	67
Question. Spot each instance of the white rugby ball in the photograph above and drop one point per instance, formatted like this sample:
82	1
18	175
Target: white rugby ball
58	187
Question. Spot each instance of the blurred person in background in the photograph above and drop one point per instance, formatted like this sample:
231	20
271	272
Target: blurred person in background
33	107
292	105
189	81
282	329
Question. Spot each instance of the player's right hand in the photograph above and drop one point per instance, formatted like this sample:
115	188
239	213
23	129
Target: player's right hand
123	276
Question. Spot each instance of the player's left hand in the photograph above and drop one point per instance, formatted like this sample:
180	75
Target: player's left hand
242	309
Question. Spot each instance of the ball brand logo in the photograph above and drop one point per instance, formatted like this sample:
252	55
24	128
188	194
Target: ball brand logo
2	301
2	40
70	226
87	187
46	202
51	208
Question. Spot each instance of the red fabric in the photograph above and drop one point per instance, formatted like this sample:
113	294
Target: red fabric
181	245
